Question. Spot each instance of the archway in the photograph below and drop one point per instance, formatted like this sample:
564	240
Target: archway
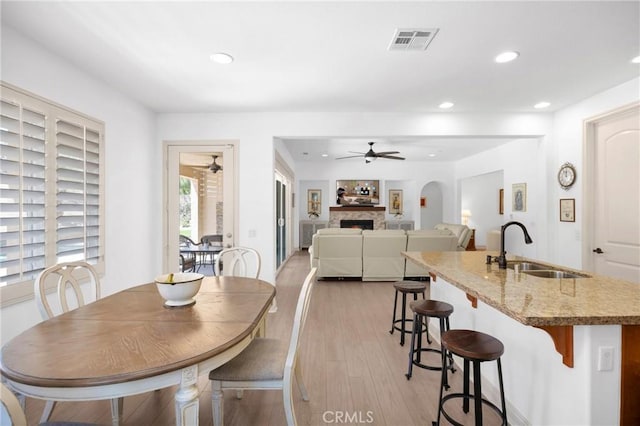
430	205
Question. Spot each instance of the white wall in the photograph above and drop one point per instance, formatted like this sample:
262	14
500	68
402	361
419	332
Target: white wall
568	132
133	181
521	161
480	195
410	199
328	195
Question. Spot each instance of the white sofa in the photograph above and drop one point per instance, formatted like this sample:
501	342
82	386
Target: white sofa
373	255
428	240
381	255
493	240
337	252
463	232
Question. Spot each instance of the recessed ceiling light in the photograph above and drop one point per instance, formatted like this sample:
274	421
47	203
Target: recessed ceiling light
325	155
432	155
446	105
541	105
506	57
222	58
636	60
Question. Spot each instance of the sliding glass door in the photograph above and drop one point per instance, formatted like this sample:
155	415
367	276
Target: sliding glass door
281	223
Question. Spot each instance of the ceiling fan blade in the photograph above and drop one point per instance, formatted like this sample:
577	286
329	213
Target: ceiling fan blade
387	152
349	156
356	152
391	157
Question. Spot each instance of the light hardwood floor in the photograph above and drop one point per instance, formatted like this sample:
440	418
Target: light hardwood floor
353	368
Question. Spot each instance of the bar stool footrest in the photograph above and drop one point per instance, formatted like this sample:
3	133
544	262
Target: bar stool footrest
405	330
470	397
429	367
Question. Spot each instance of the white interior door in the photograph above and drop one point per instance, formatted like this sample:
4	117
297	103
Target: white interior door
616	244
171	220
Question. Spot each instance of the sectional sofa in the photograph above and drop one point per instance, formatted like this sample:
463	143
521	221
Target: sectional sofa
374	255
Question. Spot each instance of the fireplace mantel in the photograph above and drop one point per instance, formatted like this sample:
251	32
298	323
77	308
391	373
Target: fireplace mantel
356	208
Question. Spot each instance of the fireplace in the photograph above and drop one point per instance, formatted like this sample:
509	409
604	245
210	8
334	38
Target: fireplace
357	223
356	214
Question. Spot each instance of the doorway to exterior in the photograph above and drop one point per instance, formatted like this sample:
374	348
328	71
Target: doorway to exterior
283	212
199	194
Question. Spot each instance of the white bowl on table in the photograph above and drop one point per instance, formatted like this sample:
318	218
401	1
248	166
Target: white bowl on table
181	290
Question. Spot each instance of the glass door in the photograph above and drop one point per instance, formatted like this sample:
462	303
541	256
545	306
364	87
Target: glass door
199	195
281	229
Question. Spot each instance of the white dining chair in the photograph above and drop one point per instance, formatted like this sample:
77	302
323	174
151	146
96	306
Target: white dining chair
16	416
238	262
266	363
68	278
12	407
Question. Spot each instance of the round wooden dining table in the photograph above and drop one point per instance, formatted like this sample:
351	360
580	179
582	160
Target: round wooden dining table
129	343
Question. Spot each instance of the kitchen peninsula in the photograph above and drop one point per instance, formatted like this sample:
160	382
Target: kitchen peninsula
587	319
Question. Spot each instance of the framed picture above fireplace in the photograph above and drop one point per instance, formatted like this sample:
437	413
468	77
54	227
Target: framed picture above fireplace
358	192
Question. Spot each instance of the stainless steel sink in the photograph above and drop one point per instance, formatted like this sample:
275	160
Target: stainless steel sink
543	271
528	266
554	274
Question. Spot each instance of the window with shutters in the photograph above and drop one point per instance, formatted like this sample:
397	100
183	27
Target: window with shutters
51	189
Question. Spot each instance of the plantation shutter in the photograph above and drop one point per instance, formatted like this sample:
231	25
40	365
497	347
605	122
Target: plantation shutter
77	192
22	192
51	189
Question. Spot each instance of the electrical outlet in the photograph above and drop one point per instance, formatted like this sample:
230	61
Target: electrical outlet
252	233
605	358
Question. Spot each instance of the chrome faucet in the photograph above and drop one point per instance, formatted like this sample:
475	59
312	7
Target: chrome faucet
502	259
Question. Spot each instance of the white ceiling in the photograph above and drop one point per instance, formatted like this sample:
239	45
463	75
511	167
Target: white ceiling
333	56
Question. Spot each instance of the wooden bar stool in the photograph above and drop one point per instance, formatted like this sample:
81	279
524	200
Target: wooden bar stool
422	310
405	287
475	347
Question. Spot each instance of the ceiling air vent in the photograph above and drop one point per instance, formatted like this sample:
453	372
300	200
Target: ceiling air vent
412	39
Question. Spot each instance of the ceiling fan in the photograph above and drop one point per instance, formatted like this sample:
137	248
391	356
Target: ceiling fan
371	155
214	167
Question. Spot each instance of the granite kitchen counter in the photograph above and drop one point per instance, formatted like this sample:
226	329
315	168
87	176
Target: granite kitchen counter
592	300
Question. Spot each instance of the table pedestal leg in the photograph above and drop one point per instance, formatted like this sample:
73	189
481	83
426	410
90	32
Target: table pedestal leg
117	407
186	398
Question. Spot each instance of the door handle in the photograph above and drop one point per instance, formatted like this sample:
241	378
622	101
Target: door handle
598	250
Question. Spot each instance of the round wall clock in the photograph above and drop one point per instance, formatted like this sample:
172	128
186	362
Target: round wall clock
567	175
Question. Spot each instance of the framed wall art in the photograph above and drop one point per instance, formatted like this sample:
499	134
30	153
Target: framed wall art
519	197
567	210
501	201
395	201
423	202
314	202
